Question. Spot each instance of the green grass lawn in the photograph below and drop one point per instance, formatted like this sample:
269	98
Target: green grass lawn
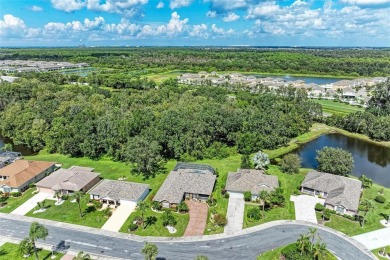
289	183
275	254
13	203
157	229
107	168
69	212
10	251
335	107
376	252
353	228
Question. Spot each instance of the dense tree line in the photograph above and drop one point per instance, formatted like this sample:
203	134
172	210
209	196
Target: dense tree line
374	121
343	62
145	125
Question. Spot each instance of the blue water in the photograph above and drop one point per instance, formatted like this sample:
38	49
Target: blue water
308	80
370	159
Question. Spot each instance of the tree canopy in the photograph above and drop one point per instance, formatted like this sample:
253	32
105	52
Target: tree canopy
335	160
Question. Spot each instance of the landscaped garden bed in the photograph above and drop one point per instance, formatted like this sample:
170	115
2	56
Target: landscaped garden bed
11	251
11	203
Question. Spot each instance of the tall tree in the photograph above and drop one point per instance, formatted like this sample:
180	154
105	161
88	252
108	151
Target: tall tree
150	251
78	195
335	160
366	206
37	231
290	163
379	104
366	182
264	196
261	160
142	207
246	161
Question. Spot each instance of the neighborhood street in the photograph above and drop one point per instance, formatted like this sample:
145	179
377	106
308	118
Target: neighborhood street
246	246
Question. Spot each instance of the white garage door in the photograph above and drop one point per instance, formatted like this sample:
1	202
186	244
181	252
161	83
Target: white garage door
236	195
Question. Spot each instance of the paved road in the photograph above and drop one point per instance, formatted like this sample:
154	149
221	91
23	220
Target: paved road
246	246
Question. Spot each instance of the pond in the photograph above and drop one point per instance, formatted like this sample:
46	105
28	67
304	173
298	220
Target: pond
370	159
307	80
24	150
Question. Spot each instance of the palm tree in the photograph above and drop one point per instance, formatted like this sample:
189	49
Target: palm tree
263	195
37	231
82	256
366	205
78	195
58	195
302	242
312	233
25	247
366	182
150	251
319	251
142	207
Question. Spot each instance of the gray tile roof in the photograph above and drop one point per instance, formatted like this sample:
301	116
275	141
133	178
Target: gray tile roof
185	181
341	190
81	169
67	179
251	180
119	190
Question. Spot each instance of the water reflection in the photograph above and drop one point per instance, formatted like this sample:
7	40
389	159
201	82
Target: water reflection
370	159
16	148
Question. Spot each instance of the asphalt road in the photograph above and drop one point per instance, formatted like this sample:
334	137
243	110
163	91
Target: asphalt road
240	247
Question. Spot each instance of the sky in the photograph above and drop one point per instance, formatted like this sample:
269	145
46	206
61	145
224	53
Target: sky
344	23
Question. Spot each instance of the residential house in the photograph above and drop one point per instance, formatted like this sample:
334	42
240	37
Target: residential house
186	181
250	180
113	192
341	194
68	181
17	176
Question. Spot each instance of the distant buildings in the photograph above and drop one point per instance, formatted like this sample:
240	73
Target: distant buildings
13	66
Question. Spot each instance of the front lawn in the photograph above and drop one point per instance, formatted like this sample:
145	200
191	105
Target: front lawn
353	228
289	183
69	212
336	107
274	254
156	229
11	251
13	203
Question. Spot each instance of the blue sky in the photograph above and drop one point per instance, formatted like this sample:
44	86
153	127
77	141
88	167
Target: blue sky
195	22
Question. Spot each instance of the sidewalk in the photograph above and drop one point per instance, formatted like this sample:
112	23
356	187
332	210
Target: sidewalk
30	204
375	239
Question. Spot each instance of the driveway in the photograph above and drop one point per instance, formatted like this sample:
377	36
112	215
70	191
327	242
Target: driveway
31	203
375	239
119	216
305	207
198	218
235	213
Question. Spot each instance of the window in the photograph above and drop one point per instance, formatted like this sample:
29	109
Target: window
340	209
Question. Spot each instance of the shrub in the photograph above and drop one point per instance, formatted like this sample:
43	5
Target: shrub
97	204
211	201
156	205
290	164
107	212
220	220
319	207
133	227
31	185
247	195
138	220
254	213
65	197
182	207
380	199
227	195
327	213
297	192
16	194
168	219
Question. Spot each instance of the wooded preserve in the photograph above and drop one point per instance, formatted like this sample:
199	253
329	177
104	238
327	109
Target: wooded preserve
316	61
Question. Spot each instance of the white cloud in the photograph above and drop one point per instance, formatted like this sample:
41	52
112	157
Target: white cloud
199	31
175	25
160	5
179	3
12	26
220	31
366	2
35	8
68	5
263	9
231	17
211	14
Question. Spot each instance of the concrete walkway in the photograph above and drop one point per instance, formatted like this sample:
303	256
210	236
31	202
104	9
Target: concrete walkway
31	203
375	239
235	213
119	216
305	207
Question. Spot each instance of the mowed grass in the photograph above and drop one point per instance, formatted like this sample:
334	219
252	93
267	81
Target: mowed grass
353	228
11	251
107	168
271	255
335	107
156	229
376	252
69	212
160	77
13	203
289	183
